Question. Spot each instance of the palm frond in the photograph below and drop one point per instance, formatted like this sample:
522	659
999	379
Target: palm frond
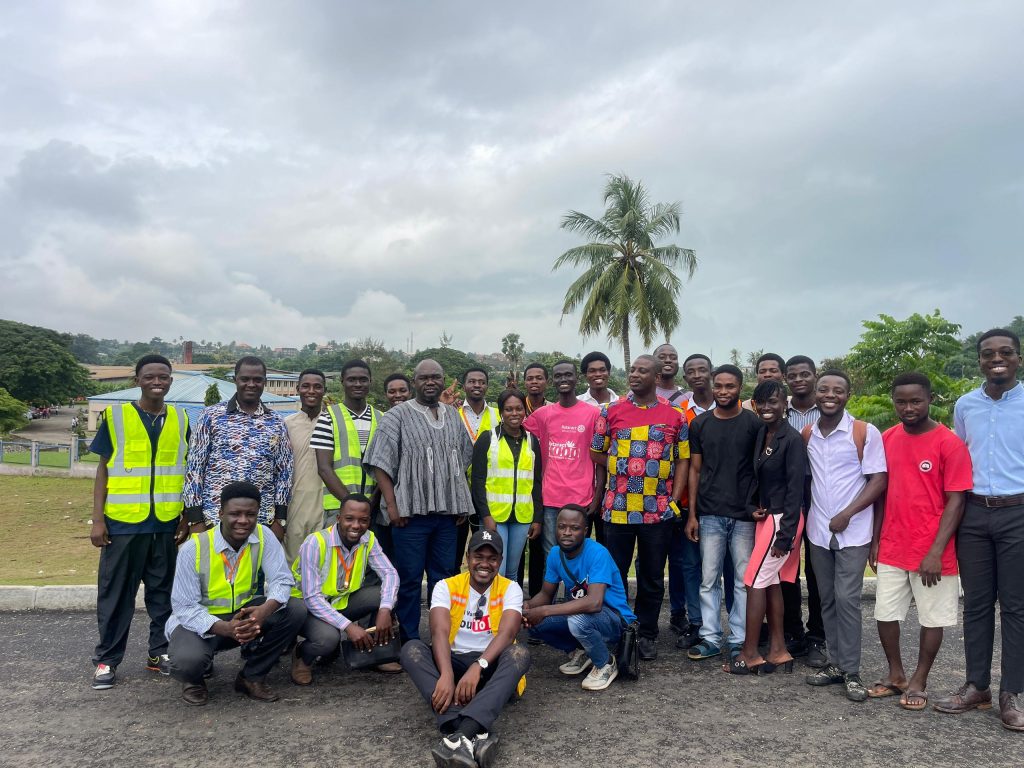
589	227
591	253
675	257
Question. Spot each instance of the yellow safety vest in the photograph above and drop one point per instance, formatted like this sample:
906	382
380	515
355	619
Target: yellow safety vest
331	586
134	479
348	455
488	421
510	485
222	590
458	590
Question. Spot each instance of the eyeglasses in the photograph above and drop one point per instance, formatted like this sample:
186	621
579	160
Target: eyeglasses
480	608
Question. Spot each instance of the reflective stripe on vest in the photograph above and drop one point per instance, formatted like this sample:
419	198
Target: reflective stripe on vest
458	590
216	593
507	484
134	479
331	585
348	455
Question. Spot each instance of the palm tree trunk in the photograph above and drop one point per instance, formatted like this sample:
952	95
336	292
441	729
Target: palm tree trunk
625	342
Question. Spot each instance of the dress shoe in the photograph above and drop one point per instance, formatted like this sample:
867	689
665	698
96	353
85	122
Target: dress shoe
302	673
817	655
1011	711
254	689
196	695
646	648
964	699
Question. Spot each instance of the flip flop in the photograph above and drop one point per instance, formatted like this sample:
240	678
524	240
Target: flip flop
880	689
922	700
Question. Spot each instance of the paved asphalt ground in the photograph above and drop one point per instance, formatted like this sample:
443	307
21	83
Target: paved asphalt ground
680	713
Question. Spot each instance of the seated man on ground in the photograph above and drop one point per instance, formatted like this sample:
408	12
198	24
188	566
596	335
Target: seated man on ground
215	605
473	668
590	624
334	579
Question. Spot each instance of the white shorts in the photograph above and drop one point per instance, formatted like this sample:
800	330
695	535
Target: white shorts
936	605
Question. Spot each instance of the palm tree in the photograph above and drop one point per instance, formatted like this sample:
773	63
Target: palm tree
628	280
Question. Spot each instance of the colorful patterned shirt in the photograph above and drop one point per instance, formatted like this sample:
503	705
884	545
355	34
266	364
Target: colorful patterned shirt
228	444
643	444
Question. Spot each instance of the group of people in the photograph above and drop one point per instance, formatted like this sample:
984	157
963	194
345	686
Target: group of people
312	533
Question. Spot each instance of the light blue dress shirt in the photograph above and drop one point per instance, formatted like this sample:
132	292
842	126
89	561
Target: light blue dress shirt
994	433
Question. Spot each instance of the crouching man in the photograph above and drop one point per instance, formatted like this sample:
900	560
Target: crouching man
588	625
473	668
214	601
333	577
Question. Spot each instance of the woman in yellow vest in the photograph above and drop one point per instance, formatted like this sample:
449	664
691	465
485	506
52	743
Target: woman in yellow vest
505	483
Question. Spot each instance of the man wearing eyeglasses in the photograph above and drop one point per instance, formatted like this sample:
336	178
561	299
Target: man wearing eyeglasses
473	667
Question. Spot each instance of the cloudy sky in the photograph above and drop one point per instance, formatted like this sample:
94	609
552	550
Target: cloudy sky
285	172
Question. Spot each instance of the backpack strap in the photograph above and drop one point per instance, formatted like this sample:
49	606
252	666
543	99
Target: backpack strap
860	437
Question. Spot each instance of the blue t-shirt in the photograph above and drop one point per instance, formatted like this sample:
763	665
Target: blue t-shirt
102	445
594	565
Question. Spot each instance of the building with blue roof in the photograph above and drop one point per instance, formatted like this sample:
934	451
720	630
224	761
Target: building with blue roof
188	391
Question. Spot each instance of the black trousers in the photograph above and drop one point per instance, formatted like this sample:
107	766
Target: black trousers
462	534
127	561
323	639
537	565
990	548
191	655
792	599
651	542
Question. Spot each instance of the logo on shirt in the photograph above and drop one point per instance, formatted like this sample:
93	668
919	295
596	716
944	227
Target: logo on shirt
925	466
579	590
477	625
581	428
567	451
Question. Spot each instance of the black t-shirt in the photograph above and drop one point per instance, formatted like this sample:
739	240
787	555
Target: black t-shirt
726	446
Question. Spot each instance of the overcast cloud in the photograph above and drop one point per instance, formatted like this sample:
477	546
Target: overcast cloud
286	172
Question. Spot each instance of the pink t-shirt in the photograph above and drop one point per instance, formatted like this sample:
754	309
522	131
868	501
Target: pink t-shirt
564	435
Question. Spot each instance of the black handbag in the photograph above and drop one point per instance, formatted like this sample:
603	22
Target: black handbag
381	654
627	657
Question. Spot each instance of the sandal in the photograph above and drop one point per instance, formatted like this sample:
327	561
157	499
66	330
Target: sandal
703	650
881	689
739	667
914	706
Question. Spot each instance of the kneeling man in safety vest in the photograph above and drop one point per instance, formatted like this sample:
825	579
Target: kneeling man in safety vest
215	602
473	668
334	577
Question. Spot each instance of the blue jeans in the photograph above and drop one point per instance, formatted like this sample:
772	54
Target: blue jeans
548	535
593	632
425	542
719	535
684	574
513	542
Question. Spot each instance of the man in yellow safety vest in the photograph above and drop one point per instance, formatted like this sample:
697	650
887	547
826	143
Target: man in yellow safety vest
215	601
137	515
341	437
330	578
473	668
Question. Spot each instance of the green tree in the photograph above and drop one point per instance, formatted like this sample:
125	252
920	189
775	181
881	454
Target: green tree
12	412
889	347
628	280
212	396
512	348
36	365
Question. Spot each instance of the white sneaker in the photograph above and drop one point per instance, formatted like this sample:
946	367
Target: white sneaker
599	679
578	662
103	677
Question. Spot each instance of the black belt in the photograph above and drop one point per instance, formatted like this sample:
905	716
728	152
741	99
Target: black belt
997	501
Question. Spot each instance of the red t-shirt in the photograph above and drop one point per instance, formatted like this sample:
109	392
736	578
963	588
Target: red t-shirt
922	468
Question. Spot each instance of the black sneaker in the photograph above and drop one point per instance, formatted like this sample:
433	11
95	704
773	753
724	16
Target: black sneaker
796	646
647	649
817	655
161	664
677	622
689	638
830	674
855	690
485	748
103	677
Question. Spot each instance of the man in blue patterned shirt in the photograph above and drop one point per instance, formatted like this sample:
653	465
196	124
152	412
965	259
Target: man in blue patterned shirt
241	439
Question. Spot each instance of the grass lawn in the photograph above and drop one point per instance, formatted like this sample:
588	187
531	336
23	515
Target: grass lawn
46	520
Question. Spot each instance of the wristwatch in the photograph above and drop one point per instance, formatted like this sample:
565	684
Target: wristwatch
483	663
